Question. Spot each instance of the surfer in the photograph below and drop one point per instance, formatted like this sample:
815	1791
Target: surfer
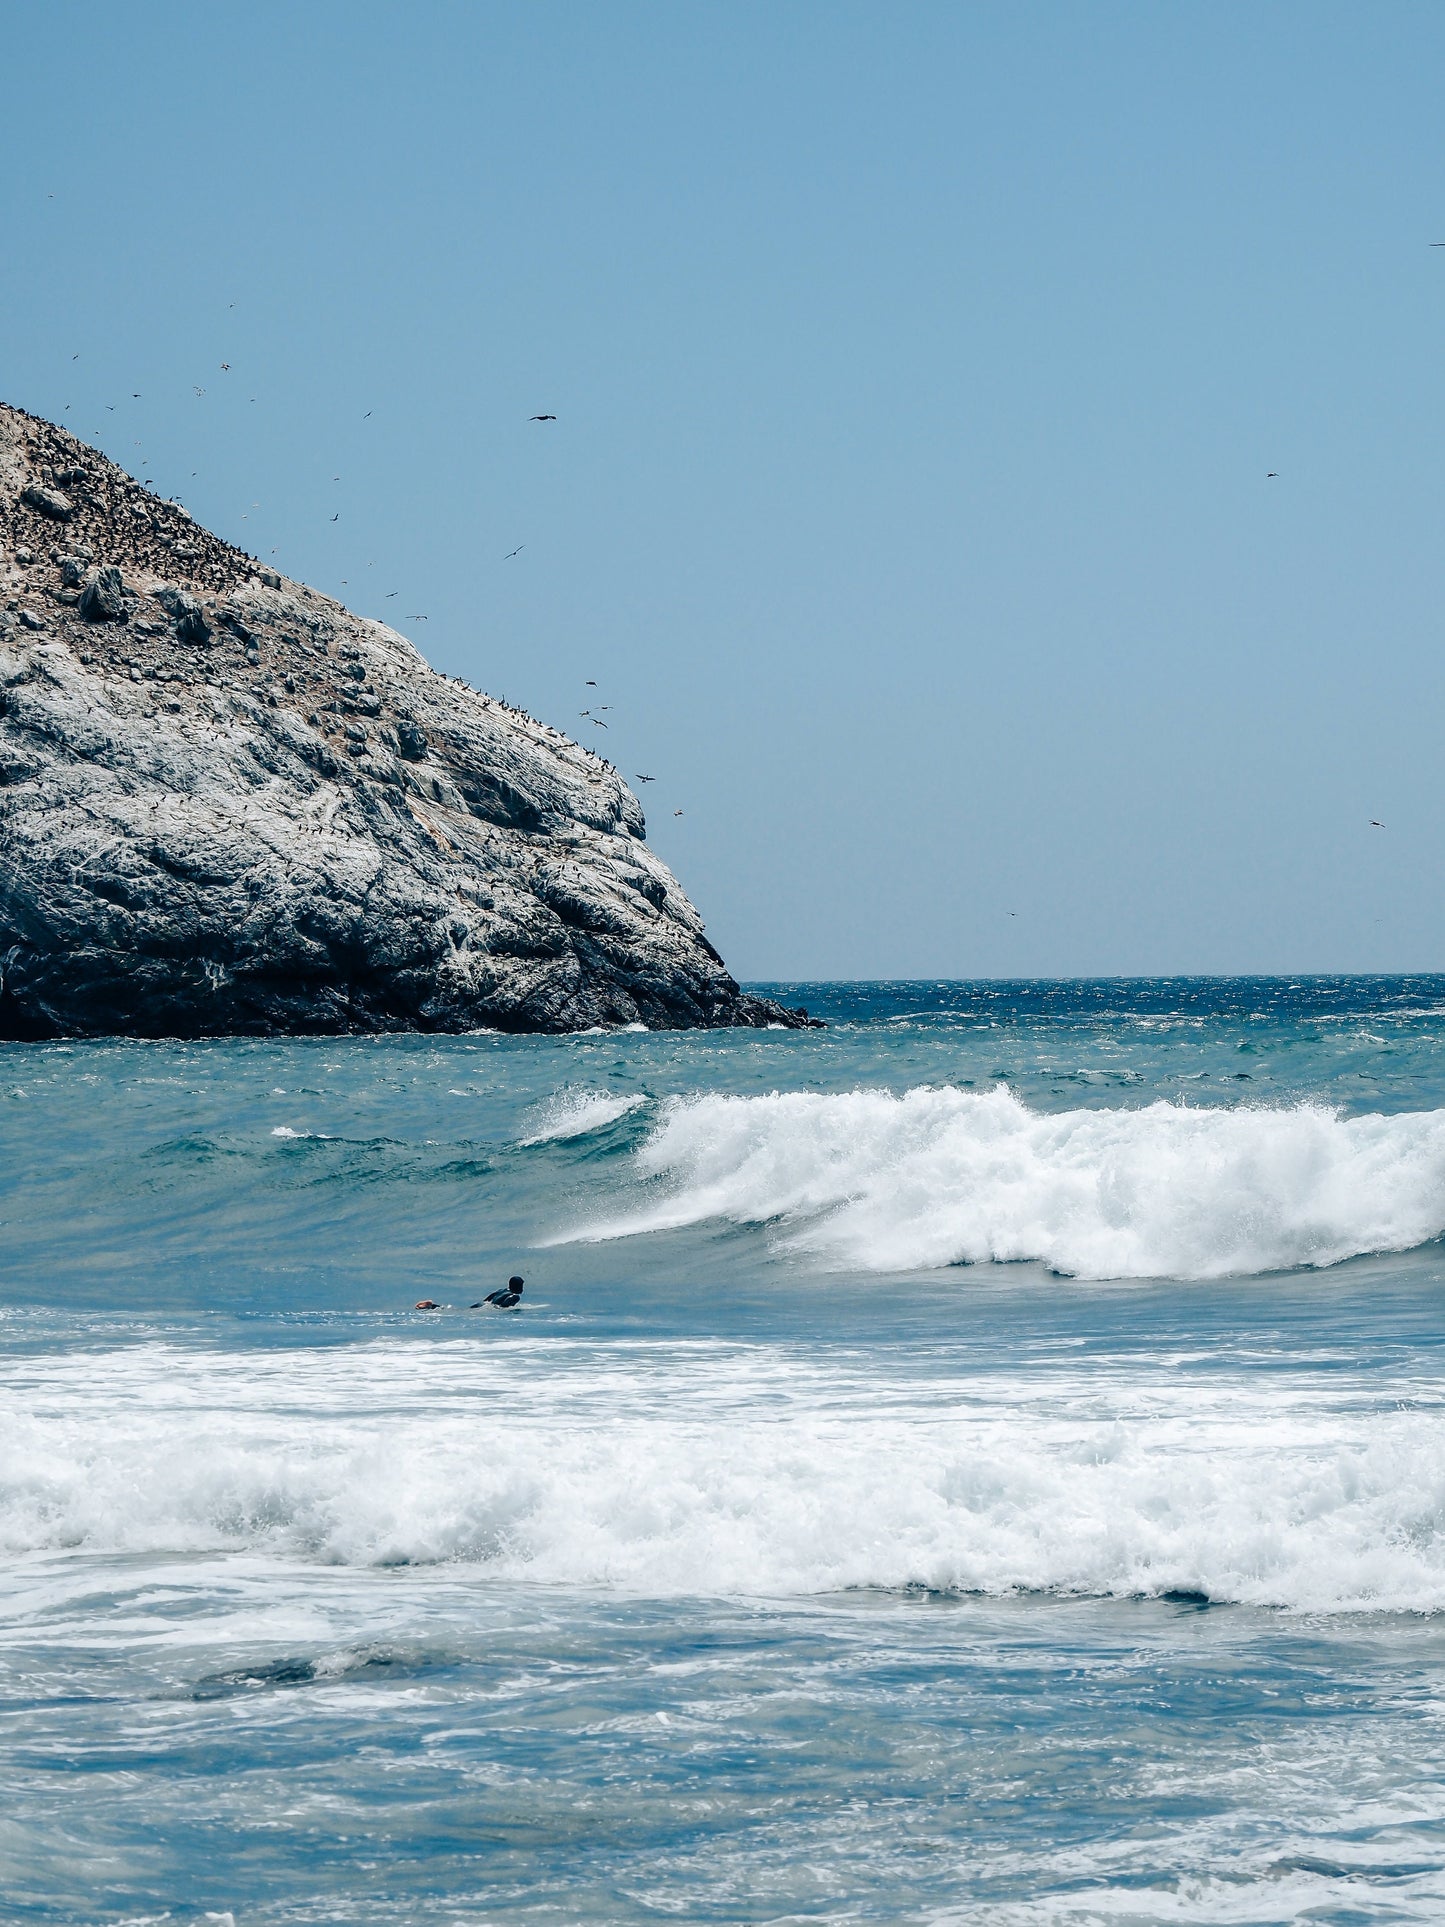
506	1298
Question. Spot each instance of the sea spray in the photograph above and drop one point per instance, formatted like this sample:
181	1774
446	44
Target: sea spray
940	1176
576	1113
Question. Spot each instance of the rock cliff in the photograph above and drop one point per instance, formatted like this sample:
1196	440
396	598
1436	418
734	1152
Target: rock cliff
229	805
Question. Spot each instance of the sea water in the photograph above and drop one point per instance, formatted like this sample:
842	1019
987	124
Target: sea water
983	1461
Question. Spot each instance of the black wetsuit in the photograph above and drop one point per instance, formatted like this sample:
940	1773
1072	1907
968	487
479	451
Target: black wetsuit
507	1299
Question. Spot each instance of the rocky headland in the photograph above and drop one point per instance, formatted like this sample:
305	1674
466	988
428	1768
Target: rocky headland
228	805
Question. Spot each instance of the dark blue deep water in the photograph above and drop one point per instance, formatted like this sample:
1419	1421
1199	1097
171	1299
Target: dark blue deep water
981	1462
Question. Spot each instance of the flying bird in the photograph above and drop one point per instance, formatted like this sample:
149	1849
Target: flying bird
1273	475
541	418
225	367
645	779
336	517
1373	824
367	416
590	683
390	593
677	812
511	552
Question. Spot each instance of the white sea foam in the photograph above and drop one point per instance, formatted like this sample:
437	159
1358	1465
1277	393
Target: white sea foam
574	1113
1272	1886
745	1470
944	1176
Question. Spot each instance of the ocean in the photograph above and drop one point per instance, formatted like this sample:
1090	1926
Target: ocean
980	1462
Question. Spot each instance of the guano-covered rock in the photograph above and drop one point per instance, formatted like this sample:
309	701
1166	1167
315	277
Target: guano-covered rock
229	805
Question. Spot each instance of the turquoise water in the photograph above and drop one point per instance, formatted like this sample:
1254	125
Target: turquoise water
980	1462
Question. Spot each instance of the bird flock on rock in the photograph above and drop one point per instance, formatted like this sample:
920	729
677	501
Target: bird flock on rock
592	717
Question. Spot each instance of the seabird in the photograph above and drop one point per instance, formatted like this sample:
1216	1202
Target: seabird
644	779
511	552
677	812
541	418
1373	824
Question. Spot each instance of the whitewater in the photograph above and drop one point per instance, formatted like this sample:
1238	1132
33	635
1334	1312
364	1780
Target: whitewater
983	1461
770	1473
942	1177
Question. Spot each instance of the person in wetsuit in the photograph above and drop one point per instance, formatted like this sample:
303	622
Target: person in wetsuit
506	1299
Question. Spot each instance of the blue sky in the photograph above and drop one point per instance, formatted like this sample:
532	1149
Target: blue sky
918	371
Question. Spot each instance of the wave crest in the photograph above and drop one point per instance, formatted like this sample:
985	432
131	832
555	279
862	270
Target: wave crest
935	1177
574	1113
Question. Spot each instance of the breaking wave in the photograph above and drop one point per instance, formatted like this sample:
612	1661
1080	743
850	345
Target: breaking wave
941	1176
575	1113
733	1470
